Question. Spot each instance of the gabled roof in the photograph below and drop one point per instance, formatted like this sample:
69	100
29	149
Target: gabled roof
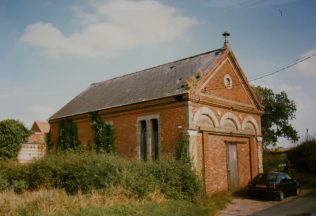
149	84
40	127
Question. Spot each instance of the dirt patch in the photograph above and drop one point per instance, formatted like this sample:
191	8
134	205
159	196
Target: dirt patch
245	206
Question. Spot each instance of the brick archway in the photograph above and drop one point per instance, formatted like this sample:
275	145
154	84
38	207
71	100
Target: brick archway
204	111
230	117
250	121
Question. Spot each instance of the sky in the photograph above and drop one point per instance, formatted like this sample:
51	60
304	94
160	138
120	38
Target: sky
51	50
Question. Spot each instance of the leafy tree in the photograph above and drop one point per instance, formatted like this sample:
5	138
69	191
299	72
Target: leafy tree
278	111
12	134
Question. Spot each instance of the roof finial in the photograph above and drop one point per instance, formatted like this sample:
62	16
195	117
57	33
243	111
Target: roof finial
226	34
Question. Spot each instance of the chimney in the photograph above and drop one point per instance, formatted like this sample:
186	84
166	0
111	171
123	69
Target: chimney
225	35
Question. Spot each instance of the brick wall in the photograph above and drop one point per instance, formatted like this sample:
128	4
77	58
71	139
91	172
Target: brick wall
171	115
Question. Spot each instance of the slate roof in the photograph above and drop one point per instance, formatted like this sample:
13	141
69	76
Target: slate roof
158	82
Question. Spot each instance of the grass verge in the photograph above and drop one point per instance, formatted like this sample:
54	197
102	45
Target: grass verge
112	202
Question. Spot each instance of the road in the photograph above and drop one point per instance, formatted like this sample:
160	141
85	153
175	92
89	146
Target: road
304	205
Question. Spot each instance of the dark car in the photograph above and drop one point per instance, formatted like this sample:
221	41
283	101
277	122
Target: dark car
275	184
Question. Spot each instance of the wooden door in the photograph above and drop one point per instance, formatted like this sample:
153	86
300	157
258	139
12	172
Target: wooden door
232	167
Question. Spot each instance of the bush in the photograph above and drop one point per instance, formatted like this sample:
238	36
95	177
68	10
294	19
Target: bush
303	157
88	171
12	134
173	178
274	161
4	184
19	186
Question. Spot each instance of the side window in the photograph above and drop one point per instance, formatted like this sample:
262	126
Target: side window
143	140
280	178
283	178
149	137
155	139
288	177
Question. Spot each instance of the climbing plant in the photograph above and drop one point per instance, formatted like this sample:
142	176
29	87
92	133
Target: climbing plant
182	150
68	136
103	134
48	140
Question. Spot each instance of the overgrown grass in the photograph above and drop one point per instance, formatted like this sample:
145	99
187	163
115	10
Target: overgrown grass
168	208
101	184
114	202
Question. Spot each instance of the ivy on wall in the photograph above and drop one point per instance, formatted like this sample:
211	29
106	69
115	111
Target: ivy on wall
182	149
68	136
48	141
103	134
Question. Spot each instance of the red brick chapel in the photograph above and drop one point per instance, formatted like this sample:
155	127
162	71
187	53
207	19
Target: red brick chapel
206	96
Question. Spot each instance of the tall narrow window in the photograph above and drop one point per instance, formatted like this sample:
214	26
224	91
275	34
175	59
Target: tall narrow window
143	140
148	132
155	141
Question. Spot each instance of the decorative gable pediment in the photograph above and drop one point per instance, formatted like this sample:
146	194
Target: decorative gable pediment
226	84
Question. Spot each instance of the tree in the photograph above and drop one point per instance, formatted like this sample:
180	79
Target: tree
275	121
303	156
12	134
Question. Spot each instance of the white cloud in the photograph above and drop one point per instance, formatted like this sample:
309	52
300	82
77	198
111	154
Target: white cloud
308	67
112	26
245	3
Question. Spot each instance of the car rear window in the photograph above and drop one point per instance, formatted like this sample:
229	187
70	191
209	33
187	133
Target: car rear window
266	178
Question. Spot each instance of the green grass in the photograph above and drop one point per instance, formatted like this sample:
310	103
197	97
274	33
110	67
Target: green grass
169	208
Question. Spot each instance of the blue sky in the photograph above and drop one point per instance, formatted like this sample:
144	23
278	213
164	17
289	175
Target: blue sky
52	50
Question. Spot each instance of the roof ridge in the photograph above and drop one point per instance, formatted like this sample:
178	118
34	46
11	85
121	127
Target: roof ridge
146	69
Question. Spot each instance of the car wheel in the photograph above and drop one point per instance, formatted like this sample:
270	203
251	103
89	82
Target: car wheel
281	196
298	191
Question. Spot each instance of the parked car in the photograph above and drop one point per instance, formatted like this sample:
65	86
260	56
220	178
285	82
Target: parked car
275	184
